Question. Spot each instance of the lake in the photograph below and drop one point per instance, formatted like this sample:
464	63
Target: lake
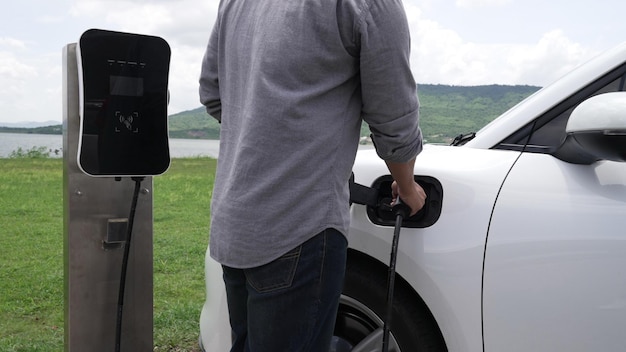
179	148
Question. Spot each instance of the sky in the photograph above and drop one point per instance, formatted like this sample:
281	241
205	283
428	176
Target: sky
455	42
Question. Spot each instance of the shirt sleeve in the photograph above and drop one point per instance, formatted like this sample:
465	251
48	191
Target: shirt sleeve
389	91
209	82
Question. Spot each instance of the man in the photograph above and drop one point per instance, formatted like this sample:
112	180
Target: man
290	82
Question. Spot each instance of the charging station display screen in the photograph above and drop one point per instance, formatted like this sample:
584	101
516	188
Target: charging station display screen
126	86
123	81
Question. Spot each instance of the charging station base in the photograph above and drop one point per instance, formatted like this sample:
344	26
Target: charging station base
95	217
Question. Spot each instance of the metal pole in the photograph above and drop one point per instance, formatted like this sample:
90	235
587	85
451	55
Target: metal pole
95	218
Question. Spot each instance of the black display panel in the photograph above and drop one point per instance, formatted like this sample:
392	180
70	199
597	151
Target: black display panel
123	81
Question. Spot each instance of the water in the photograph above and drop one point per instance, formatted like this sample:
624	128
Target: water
179	148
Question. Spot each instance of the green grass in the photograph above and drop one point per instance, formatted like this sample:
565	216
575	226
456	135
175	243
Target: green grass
31	253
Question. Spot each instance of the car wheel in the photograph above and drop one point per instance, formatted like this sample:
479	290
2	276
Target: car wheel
359	322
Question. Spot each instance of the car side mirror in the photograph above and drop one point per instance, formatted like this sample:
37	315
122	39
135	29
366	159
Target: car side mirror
596	130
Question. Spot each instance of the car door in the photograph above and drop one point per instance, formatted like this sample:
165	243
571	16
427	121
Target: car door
556	248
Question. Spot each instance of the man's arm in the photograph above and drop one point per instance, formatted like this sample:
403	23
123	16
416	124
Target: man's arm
390	103
389	92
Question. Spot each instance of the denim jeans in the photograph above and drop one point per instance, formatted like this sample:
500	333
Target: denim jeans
290	304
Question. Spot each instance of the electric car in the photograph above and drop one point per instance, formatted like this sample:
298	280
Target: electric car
521	245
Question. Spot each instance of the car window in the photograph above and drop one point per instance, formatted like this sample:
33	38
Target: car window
546	133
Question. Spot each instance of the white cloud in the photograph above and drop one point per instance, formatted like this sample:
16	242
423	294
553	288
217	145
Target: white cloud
12	68
30	89
441	55
480	3
11	43
185	25
175	19
184	74
137	17
47	19
552	57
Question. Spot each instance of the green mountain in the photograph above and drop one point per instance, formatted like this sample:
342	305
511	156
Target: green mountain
445	112
53	129
196	123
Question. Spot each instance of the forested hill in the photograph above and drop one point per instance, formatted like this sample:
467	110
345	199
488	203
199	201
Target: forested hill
445	112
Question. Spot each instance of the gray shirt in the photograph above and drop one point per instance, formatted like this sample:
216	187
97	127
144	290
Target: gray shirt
290	82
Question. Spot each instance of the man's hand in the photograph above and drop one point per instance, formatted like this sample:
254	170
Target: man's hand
413	196
404	186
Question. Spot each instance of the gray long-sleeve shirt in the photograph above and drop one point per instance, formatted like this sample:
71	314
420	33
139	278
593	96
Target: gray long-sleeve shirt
290	82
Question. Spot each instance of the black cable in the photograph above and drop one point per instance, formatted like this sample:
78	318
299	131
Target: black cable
129	232
401	210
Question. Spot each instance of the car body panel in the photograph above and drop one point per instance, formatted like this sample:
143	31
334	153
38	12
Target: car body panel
443	263
556	253
214	326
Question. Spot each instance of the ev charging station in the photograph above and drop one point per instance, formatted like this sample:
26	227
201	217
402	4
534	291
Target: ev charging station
115	138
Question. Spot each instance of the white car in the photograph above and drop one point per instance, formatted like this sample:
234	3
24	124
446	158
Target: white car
520	247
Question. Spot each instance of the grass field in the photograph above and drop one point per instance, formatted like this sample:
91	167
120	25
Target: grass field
31	253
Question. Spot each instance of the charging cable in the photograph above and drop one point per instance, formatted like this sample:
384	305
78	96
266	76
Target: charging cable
402	211
129	232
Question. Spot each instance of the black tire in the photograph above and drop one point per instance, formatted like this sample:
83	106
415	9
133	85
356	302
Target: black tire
362	308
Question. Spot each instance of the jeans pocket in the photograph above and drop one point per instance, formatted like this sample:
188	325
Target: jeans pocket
275	275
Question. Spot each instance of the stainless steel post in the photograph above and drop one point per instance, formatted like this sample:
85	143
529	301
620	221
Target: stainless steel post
96	211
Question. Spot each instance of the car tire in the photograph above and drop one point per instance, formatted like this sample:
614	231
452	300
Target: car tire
362	308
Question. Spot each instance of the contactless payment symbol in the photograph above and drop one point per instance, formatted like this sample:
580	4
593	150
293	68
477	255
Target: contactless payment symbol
126	122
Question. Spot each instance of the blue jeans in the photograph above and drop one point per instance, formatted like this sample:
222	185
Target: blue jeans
290	304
